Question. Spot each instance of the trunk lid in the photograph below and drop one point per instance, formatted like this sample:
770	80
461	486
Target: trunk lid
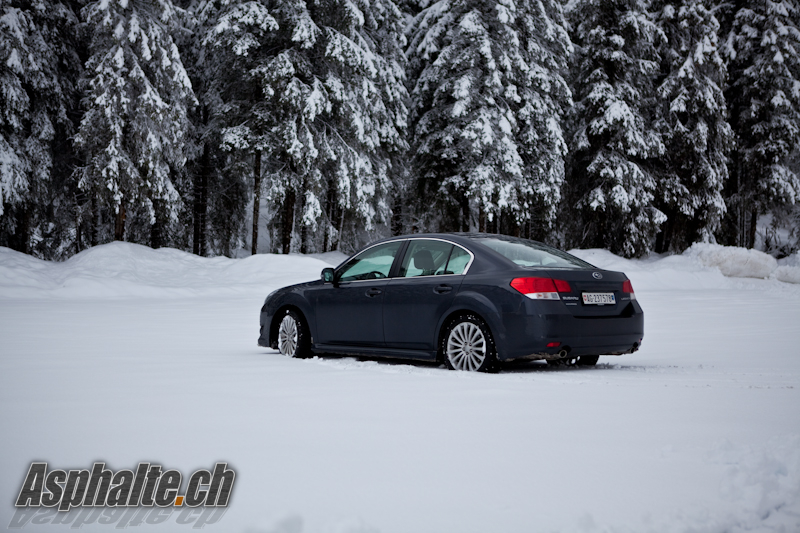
597	285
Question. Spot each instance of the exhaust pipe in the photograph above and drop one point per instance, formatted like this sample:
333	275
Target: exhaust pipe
562	354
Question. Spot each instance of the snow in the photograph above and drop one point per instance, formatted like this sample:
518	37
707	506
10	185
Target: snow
127	354
735	261
744	263
792	260
788	269
123	270
789	274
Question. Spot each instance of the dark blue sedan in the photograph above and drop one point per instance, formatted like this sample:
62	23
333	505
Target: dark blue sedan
470	300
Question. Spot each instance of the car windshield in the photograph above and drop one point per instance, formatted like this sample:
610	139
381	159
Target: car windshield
532	254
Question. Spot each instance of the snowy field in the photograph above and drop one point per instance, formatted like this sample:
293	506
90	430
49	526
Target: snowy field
126	354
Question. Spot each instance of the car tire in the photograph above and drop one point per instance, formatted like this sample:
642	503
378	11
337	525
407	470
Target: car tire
293	337
467	344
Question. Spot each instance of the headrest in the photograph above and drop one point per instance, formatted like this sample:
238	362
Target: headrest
423	260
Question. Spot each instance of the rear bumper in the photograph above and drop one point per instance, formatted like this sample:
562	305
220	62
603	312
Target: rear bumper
577	335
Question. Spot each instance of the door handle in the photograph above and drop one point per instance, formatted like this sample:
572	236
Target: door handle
374	292
441	289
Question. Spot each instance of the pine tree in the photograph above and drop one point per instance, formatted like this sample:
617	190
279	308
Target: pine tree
487	102
693	124
614	144
217	185
38	70
15	61
763	50
314	92
136	98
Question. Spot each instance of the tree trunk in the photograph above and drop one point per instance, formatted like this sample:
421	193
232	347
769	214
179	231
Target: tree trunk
303	226
397	214
329	243
93	223
751	237
119	223
78	235
465	211
201	202
157	229
19	240
256	201
341	229
288	220
664	237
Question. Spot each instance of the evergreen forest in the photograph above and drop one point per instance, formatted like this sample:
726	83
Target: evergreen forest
226	127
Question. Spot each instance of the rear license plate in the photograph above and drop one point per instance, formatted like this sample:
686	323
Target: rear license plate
598	298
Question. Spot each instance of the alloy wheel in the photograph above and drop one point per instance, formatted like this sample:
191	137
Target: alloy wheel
287	336
466	347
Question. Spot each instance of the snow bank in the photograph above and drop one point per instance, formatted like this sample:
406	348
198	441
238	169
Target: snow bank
743	263
121	269
789	274
792	260
671	272
703	266
734	261
788	269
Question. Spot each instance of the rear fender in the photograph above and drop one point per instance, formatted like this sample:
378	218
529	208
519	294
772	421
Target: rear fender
483	307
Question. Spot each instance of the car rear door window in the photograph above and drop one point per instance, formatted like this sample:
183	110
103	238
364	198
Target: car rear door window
425	258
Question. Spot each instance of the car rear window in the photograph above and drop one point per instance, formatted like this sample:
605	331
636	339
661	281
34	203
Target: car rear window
532	254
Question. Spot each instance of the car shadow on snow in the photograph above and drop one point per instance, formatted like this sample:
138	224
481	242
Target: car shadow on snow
506	367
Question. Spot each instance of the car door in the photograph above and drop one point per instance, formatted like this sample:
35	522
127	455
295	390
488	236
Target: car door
428	279
350	311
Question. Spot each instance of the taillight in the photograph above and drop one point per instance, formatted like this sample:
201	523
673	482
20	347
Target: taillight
541	288
628	288
562	286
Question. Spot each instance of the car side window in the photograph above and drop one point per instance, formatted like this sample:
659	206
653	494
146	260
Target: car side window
459	259
425	258
373	263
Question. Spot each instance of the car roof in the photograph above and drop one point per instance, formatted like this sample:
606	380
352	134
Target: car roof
459	237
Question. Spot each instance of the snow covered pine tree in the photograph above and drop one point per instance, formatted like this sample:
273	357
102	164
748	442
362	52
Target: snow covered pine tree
487	100
763	50
614	143
137	94
692	120
38	71
324	104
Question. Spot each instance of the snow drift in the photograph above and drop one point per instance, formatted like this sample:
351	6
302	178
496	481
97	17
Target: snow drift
788	269
121	269
734	261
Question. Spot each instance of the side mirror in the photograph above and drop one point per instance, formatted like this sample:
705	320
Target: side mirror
327	275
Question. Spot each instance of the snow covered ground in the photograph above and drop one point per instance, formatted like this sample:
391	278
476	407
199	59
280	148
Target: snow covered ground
125	354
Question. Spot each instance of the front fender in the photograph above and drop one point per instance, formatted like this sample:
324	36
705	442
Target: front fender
291	299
